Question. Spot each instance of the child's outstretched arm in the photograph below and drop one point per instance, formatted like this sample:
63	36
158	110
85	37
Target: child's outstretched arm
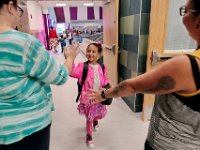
77	71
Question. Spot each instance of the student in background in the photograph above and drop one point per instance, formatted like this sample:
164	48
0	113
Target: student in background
53	39
62	42
70	37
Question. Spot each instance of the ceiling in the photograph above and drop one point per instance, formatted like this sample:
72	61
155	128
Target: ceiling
52	3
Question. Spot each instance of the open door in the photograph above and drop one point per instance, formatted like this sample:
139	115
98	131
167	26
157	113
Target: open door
110	38
167	38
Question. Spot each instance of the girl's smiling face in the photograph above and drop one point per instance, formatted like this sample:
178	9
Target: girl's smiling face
92	54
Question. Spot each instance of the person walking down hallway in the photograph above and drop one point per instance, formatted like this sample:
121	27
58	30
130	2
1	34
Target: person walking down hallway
175	121
95	78
27	70
62	42
53	39
70	37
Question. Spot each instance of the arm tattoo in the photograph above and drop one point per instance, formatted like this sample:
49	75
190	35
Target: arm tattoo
164	83
118	88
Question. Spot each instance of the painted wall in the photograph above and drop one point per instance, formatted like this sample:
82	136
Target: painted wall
36	20
35	15
81	13
133	41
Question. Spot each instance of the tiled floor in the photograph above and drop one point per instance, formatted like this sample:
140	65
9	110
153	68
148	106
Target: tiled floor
121	129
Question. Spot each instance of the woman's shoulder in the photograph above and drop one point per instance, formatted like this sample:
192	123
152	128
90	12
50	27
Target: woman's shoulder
21	37
20	34
26	35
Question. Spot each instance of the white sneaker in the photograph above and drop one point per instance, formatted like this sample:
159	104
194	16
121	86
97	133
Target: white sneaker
96	128
95	125
89	141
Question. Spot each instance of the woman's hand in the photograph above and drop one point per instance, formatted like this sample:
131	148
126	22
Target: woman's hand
95	96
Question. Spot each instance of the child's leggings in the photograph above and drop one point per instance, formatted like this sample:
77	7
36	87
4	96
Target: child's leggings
89	126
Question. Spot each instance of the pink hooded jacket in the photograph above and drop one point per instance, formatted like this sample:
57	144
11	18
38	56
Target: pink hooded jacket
89	81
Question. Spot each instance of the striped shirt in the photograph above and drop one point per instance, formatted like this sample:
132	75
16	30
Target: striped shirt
26	72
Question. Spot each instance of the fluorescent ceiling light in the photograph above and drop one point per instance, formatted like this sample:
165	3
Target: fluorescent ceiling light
60	4
88	4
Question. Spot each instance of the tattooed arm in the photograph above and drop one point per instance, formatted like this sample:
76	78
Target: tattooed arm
122	89
172	76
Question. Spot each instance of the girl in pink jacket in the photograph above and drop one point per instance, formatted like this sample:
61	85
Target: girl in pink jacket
96	78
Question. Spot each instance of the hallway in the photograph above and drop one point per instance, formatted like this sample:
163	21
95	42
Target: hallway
121	129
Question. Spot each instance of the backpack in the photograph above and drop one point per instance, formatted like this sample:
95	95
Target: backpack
84	75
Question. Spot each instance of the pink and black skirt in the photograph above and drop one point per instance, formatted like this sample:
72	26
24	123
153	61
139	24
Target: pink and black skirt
92	112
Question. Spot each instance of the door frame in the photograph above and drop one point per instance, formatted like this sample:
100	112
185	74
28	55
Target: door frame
156	41
110	38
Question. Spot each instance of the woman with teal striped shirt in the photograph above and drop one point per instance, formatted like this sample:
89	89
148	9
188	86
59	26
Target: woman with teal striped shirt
26	72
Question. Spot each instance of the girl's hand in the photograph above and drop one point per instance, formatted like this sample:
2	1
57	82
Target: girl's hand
71	51
75	44
70	54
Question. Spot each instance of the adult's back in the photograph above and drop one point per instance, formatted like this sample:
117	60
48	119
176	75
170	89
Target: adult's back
25	95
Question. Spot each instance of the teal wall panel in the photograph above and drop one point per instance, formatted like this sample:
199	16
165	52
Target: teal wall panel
134	16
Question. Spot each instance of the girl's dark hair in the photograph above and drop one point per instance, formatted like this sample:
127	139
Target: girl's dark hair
98	45
6	2
196	5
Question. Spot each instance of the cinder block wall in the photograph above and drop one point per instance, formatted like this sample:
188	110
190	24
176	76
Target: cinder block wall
134	16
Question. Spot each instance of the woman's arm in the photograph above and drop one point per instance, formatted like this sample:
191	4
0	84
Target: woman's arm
41	66
172	76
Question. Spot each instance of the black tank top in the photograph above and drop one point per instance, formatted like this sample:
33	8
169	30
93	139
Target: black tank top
192	102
